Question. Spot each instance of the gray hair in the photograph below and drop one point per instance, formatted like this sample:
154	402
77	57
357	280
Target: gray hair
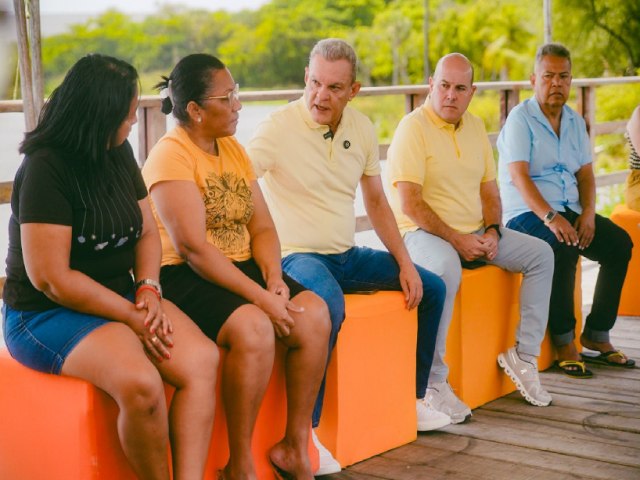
334	49
554	50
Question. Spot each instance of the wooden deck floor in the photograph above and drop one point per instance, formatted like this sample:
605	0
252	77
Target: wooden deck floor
590	431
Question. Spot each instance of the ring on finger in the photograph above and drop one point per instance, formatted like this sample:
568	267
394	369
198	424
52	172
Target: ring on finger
154	340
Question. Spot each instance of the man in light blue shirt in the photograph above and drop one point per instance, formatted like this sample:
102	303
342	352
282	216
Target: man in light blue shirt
548	190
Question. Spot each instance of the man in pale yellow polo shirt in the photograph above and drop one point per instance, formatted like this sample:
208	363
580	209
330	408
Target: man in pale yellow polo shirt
445	197
313	154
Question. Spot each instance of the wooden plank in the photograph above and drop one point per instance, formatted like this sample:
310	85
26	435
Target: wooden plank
423	461
606	128
5	191
549	436
572	409
553	463
593	389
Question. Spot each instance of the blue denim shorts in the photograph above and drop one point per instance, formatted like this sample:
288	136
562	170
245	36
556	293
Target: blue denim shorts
42	340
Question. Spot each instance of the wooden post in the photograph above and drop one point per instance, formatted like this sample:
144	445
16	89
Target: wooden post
25	65
30	60
509	98
548	33
425	33
152	125
586	106
414	100
36	55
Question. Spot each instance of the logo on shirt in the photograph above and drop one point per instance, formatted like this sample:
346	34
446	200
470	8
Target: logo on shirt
228	204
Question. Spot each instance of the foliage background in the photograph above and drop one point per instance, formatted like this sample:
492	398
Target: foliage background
267	48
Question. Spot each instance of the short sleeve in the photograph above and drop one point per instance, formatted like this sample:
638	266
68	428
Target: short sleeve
405	158
168	160
514	141
489	161
585	144
372	165
44	191
263	146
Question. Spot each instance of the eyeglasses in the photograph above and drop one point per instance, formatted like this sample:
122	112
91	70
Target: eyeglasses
232	95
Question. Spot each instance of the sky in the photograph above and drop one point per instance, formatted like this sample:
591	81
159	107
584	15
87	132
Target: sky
141	6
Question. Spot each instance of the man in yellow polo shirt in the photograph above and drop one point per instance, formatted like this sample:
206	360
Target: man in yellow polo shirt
444	193
313	153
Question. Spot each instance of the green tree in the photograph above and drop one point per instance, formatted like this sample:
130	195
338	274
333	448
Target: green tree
603	34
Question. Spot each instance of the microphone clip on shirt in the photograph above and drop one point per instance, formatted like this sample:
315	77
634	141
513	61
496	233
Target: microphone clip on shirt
328	135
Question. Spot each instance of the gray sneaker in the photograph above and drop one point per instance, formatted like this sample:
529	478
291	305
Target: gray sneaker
525	376
441	398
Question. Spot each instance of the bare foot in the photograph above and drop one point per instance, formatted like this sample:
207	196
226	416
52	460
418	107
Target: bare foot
602	347
567	352
292	462
231	473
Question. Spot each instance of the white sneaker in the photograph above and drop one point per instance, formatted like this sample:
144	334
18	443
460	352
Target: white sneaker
441	397
328	464
428	418
525	376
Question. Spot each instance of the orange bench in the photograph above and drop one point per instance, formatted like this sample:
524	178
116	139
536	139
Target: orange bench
369	403
61	428
629	220
370	394
485	318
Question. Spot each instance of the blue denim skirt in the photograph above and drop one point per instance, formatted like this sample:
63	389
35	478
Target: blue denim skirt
42	340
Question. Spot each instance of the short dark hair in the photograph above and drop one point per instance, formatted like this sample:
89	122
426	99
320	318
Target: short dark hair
189	81
554	50
85	111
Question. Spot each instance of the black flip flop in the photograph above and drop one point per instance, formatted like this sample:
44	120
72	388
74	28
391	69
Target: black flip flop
605	359
574	368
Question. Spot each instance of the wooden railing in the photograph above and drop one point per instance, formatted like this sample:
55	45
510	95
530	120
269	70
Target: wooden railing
152	122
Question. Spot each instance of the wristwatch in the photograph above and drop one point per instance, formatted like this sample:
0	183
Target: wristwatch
152	283
548	218
495	227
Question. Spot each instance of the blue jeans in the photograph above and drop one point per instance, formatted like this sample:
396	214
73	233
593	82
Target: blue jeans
366	269
611	247
42	340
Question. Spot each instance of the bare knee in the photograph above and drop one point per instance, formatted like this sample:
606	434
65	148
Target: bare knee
199	367
314	323
248	329
140	391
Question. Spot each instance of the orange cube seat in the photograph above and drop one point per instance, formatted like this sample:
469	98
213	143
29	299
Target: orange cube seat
485	317
369	404
629	220
61	428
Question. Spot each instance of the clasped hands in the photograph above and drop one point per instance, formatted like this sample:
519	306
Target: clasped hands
155	331
278	306
472	246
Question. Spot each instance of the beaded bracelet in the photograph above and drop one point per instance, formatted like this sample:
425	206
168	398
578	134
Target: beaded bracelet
150	288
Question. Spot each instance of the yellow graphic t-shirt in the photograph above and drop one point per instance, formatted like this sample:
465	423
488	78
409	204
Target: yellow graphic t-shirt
224	182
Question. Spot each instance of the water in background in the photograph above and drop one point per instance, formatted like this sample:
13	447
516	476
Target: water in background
12	131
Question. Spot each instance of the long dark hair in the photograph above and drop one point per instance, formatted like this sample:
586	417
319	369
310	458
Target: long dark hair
189	81
83	114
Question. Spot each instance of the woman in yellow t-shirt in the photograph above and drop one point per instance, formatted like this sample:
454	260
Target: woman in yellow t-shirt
221	263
